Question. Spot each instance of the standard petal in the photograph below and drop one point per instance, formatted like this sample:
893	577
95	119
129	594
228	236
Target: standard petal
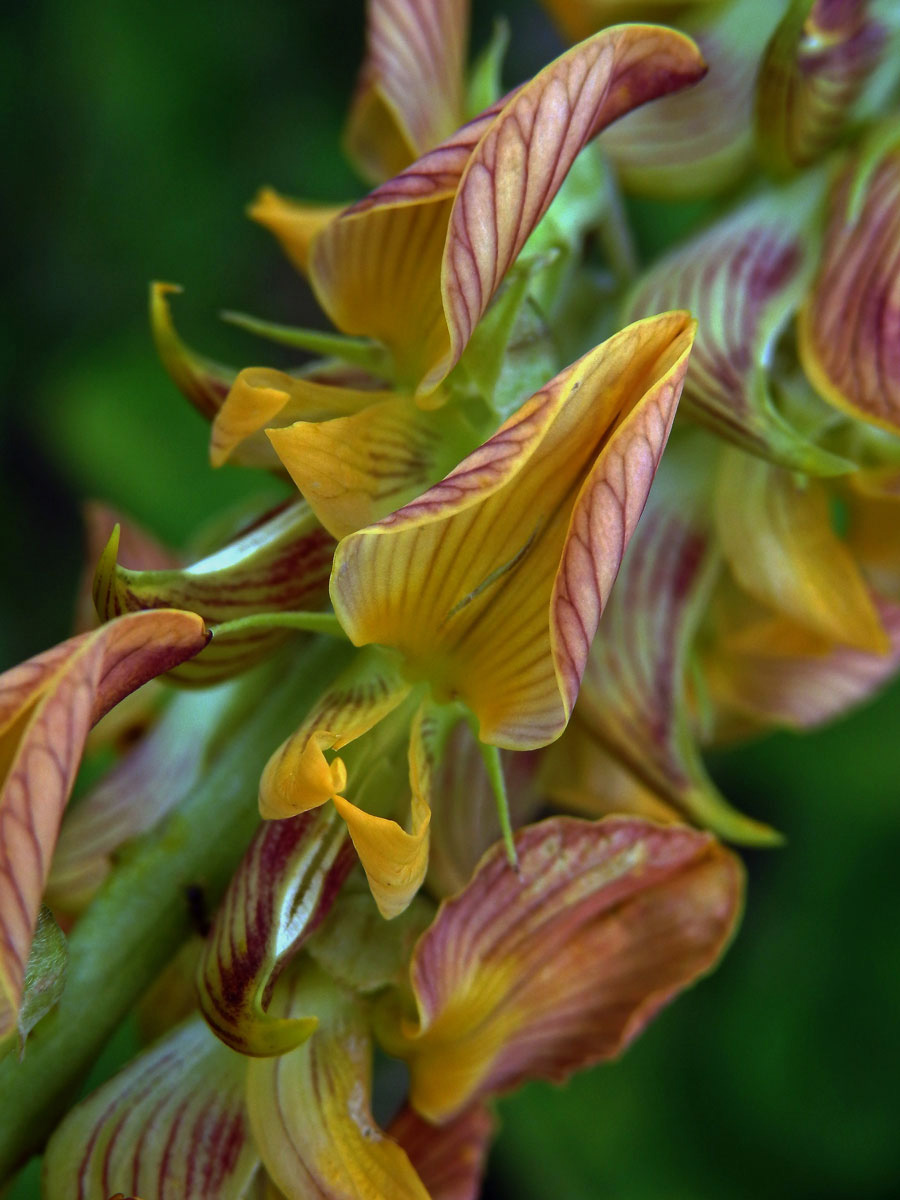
298	777
776	534
281	563
310	1109
699	141
47	706
204	382
283	888
354	470
171	1126
295	225
849	327
814	69
410	91
450	1159
634	694
540	971
491	584
416	262
742	279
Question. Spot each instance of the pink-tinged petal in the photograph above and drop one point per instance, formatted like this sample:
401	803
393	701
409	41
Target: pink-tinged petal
204	382
142	788
295	225
699	141
283	888
298	776
264	398
742	279
47	706
172	1124
814	70
416	262
280	563
634	695
777	537
491	583
356	469
410	94
519	165
538	971
310	1109
849	327
450	1159
800	682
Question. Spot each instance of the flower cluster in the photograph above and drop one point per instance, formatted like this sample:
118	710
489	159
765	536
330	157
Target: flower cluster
381	702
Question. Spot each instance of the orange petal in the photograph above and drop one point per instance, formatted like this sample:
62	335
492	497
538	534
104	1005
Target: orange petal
409	96
297	777
540	971
47	706
294	224
491	584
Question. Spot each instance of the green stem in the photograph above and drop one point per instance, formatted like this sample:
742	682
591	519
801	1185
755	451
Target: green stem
361	352
140	917
494	765
307	622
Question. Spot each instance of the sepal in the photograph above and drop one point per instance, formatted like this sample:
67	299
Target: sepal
281	563
201	380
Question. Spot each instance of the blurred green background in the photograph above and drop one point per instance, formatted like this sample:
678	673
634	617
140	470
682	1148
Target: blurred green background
139	133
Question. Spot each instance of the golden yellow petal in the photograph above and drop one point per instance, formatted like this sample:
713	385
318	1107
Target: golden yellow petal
295	225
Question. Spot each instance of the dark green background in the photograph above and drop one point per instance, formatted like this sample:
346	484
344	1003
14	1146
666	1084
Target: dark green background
139	133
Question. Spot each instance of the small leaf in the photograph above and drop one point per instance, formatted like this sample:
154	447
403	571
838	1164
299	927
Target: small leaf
45	975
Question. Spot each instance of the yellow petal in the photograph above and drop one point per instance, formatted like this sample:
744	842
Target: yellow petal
260	394
491	584
295	225
776	534
298	777
310	1109
354	470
